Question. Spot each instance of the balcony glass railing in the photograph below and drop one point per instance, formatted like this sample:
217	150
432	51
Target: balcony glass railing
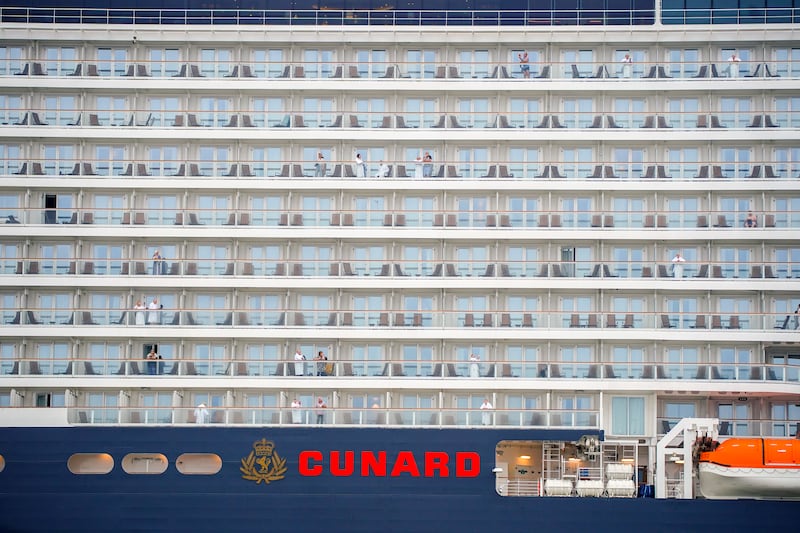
393	417
351	269
399	168
593	15
387	268
743	427
337	416
420	369
327	16
506	67
757	225
332	120
725	321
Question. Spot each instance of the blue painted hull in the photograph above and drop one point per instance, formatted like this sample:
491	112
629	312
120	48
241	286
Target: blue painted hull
38	493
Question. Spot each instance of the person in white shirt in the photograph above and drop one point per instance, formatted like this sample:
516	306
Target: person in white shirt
299	363
627	61
733	66
418	167
677	265
474	365
154	312
383	170
139	316
361	167
201	414
486	416
297	414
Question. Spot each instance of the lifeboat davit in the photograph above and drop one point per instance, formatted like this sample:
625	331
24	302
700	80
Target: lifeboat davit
756	468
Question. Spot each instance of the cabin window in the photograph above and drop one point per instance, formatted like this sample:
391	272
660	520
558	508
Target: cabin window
2	463
50	399
144	463
90	463
627	415
198	463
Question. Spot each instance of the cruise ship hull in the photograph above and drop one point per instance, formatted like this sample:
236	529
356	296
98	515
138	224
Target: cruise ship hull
39	493
422	266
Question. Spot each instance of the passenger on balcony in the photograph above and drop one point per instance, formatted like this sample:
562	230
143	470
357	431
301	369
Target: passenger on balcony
751	221
627	63
321	406
139	309
733	66
383	170
321	362
427	167
154	313
474	365
361	167
320	166
524	64
299	363
486	416
201	414
152	362
418	172
797	317
677	266
159	265
297	414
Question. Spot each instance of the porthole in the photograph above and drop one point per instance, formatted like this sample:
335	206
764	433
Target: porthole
144	463
2	463
199	463
90	463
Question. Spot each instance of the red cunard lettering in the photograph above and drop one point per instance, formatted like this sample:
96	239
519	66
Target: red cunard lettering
468	464
436	462
349	461
405	464
341	463
369	462
306	468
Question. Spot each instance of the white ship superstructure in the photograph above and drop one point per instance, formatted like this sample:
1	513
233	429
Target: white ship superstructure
610	241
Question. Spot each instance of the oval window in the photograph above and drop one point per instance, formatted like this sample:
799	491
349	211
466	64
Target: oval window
144	463
90	463
198	463
2	463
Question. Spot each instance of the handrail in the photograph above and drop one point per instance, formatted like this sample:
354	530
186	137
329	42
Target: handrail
398	17
437	417
399	70
400	168
334	120
492	215
327	16
542	370
723	320
309	415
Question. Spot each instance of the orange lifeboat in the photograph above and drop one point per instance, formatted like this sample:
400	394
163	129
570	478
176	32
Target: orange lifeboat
757	468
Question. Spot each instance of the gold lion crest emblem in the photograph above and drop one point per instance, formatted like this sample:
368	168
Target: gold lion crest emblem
263	463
